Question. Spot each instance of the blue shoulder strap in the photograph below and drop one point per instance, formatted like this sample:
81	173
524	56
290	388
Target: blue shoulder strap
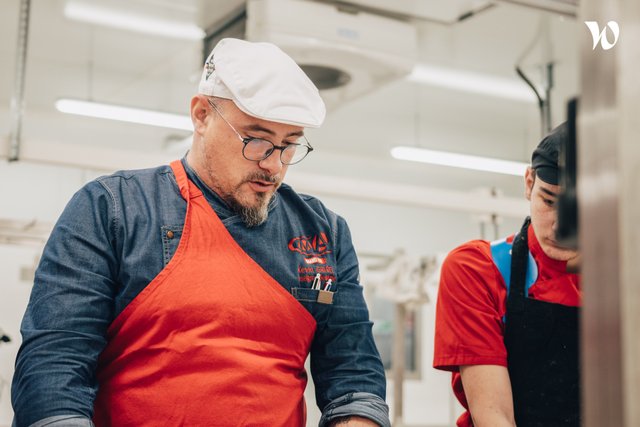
501	254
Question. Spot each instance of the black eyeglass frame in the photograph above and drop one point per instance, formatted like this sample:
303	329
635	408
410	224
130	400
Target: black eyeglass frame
269	152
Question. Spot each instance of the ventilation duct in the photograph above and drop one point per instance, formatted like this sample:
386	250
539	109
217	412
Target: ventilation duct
562	7
346	53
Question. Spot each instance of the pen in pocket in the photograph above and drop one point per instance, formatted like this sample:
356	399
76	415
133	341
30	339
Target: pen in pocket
316	282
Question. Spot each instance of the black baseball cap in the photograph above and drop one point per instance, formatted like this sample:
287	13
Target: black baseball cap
545	157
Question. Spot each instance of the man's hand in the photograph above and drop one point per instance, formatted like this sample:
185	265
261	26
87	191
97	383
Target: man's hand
353	422
488	392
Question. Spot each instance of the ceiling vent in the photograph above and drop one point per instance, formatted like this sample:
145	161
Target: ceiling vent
347	53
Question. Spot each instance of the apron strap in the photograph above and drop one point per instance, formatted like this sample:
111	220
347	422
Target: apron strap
519	261
181	178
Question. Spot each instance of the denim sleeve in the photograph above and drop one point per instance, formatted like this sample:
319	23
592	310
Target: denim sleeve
69	311
345	364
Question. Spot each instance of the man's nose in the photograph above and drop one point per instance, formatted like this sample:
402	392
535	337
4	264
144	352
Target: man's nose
272	164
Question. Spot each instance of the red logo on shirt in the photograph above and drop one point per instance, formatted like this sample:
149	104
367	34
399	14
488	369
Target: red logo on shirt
313	248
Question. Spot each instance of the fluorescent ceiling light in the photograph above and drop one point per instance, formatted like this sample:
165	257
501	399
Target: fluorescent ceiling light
469	81
125	114
109	17
464	161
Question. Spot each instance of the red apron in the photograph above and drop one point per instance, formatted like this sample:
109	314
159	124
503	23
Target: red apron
213	340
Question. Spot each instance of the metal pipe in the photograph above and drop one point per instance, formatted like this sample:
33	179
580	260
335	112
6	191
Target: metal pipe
546	106
17	101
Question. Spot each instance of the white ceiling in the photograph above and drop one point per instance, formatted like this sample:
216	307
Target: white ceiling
74	60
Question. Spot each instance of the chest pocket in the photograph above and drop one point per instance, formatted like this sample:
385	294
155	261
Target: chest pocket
309	299
171	235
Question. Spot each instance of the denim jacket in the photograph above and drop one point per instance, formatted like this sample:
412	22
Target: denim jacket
118	232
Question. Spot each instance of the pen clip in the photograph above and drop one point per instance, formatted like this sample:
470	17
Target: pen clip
316	282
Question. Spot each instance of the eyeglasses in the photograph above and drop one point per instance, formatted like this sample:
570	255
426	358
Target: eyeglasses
257	149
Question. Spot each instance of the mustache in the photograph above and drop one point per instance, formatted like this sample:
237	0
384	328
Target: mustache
261	176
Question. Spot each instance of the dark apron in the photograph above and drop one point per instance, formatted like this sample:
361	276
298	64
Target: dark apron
542	346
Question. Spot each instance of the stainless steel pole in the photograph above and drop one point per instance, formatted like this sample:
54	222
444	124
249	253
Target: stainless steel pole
17	101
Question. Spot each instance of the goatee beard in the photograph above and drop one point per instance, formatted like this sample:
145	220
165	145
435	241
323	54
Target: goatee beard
252	216
255	215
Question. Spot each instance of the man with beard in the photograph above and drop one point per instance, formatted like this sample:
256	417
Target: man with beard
191	294
507	315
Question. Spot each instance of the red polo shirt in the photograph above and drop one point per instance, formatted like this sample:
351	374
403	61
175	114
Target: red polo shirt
472	303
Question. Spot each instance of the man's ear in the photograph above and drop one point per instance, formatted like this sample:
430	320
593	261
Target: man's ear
529	180
199	114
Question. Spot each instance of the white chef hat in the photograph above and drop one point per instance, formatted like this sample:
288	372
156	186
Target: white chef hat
262	81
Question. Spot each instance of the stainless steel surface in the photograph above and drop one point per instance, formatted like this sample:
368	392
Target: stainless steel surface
629	170
609	160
